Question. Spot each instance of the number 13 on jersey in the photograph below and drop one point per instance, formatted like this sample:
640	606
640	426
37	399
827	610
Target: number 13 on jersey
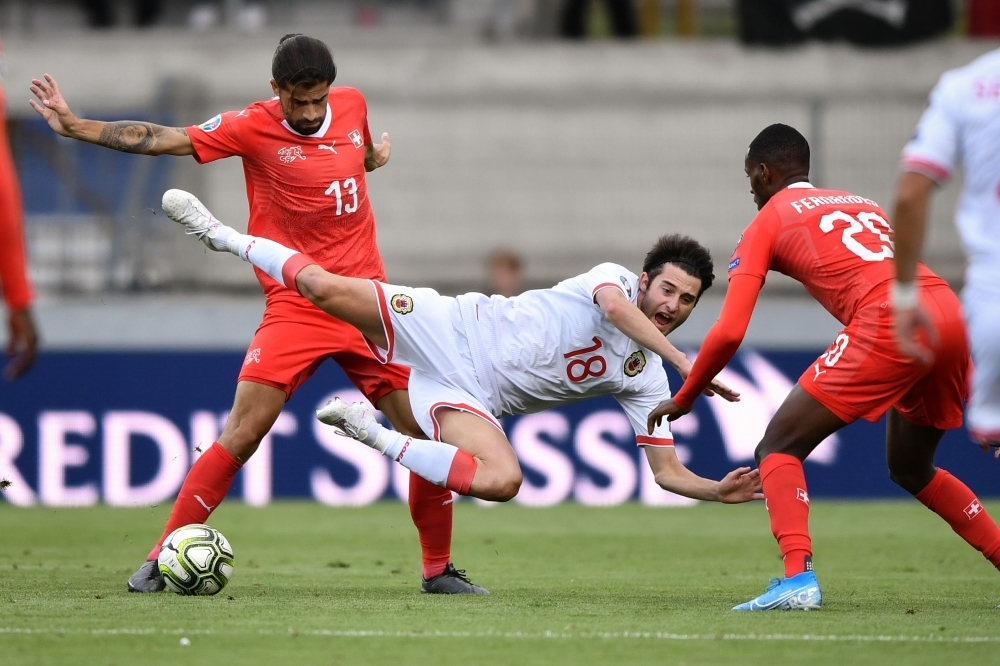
350	189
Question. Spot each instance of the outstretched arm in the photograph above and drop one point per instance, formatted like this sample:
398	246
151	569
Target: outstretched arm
630	320
718	349
909	221
128	136
740	485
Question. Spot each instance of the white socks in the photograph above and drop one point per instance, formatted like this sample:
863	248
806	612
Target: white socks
265	254
429	459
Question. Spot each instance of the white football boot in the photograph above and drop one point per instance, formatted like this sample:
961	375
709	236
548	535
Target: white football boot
184	208
356	420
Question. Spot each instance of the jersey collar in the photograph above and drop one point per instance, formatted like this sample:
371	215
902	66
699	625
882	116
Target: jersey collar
804	185
319	133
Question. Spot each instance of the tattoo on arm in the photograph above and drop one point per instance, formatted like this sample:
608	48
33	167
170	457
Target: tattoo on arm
131	136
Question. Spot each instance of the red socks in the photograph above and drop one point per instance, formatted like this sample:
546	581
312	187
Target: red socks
431	510
461	473
787	502
205	487
957	504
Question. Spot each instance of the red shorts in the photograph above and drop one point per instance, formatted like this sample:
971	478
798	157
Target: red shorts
863	374
295	338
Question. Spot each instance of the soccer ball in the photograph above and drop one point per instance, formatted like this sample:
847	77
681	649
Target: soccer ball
196	559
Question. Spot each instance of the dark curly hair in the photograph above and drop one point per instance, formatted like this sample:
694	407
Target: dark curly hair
781	146
302	61
684	252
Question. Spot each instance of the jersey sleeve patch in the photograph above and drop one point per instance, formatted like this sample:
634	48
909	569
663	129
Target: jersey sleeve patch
734	263
211	124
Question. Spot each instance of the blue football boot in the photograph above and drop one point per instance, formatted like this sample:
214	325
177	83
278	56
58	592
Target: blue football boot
800	592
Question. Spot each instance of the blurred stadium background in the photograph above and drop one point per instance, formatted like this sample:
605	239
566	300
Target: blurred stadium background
506	135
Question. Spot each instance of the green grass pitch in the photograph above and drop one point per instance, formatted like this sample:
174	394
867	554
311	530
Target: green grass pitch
570	585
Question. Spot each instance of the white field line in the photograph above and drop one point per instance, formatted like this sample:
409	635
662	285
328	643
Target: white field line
523	635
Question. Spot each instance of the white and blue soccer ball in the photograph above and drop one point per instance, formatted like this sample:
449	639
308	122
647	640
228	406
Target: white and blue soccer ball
196	560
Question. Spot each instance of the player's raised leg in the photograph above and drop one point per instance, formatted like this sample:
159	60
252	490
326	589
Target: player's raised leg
255	409
798	427
349	299
910	456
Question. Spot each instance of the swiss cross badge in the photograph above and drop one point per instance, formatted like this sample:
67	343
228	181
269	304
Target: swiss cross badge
974	509
355	137
402	304
802	495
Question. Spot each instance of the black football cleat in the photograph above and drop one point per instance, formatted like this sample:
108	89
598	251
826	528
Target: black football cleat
147	578
451	581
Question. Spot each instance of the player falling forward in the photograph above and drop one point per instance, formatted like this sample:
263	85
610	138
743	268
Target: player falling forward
962	123
475	358
305	153
839	246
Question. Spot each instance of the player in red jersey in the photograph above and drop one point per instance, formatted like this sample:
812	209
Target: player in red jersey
839	246
305	153
14	285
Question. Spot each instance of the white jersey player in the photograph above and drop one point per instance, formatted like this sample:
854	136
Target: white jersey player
960	127
475	358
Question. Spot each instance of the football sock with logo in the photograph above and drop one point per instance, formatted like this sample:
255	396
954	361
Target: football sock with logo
278	261
431	510
205	487
441	464
951	499
787	501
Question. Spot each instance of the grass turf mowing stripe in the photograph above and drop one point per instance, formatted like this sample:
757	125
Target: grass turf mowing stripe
602	635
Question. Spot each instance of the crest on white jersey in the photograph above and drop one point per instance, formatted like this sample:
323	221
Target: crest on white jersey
402	304
290	154
634	363
355	137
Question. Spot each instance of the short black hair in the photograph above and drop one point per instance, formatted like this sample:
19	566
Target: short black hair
684	252
302	61
780	145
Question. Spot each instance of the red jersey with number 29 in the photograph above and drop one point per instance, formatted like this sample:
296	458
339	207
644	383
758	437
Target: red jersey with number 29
307	192
837	244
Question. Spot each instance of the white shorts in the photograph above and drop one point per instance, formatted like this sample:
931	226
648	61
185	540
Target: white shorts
424	331
982	312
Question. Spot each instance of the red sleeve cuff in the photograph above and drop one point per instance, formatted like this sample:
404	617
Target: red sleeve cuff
644	440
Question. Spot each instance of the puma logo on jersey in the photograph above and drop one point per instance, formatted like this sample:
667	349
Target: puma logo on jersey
243	114
818	372
635	363
330	147
355	137
290	154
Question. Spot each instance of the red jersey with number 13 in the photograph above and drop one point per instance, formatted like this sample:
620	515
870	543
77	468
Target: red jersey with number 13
837	244
307	192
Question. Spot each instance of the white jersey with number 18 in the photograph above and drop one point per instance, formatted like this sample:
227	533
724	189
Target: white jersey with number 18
553	346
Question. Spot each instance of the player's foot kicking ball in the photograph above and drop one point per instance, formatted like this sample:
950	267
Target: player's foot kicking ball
147	578
185	208
451	581
800	592
358	422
